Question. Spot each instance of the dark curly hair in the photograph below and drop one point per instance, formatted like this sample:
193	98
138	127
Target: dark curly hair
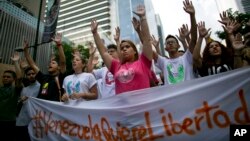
226	55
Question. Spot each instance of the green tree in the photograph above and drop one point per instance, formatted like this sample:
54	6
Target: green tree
242	18
68	50
84	51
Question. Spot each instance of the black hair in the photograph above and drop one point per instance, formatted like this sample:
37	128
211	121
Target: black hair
112	46
55	58
226	55
133	46
11	72
28	69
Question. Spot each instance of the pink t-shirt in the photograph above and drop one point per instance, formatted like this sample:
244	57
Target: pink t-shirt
131	76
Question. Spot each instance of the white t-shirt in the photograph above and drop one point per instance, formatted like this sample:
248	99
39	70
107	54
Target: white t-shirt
178	69
78	83
107	84
29	91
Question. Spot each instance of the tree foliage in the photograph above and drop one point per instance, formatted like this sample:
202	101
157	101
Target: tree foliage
68	50
242	18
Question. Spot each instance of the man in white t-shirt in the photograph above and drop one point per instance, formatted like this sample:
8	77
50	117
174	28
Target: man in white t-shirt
106	82
177	68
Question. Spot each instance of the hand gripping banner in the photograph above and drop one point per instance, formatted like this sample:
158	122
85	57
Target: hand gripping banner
199	109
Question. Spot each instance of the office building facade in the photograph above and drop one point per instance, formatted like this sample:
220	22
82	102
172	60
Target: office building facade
246	6
16	24
75	17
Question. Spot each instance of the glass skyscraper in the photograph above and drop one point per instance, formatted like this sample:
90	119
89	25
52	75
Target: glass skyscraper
125	15
18	21
75	17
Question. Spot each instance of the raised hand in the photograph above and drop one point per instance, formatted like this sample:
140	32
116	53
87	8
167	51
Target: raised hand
188	7
117	34
237	42
95	61
58	38
140	11
231	27
15	57
183	33
23	63
155	42
92	49
94	26
224	18
203	32
185	30
136	24
25	44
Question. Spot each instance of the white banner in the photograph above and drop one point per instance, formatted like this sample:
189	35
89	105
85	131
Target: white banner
198	109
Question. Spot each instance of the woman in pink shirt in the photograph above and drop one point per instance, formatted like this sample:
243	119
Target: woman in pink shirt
131	72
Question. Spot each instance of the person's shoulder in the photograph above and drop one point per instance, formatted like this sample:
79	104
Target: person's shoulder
68	76
85	74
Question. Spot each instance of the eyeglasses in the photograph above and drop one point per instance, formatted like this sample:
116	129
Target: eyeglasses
170	42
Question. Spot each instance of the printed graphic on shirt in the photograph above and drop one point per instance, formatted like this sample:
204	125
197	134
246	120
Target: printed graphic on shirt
45	89
109	78
69	91
175	73
73	87
219	69
125	76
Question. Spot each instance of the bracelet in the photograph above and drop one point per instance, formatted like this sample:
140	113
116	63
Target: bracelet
58	44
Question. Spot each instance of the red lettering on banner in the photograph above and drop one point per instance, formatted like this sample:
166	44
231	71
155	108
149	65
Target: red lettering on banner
242	110
211	115
218	122
206	109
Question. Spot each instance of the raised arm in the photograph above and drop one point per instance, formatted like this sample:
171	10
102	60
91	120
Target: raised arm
29	59
137	26
117	40
155	43
184	36
62	59
186	32
99	44
145	34
189	8
92	51
238	46
236	42
15	59
23	65
196	53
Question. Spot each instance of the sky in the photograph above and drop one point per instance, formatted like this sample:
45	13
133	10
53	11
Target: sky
173	16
